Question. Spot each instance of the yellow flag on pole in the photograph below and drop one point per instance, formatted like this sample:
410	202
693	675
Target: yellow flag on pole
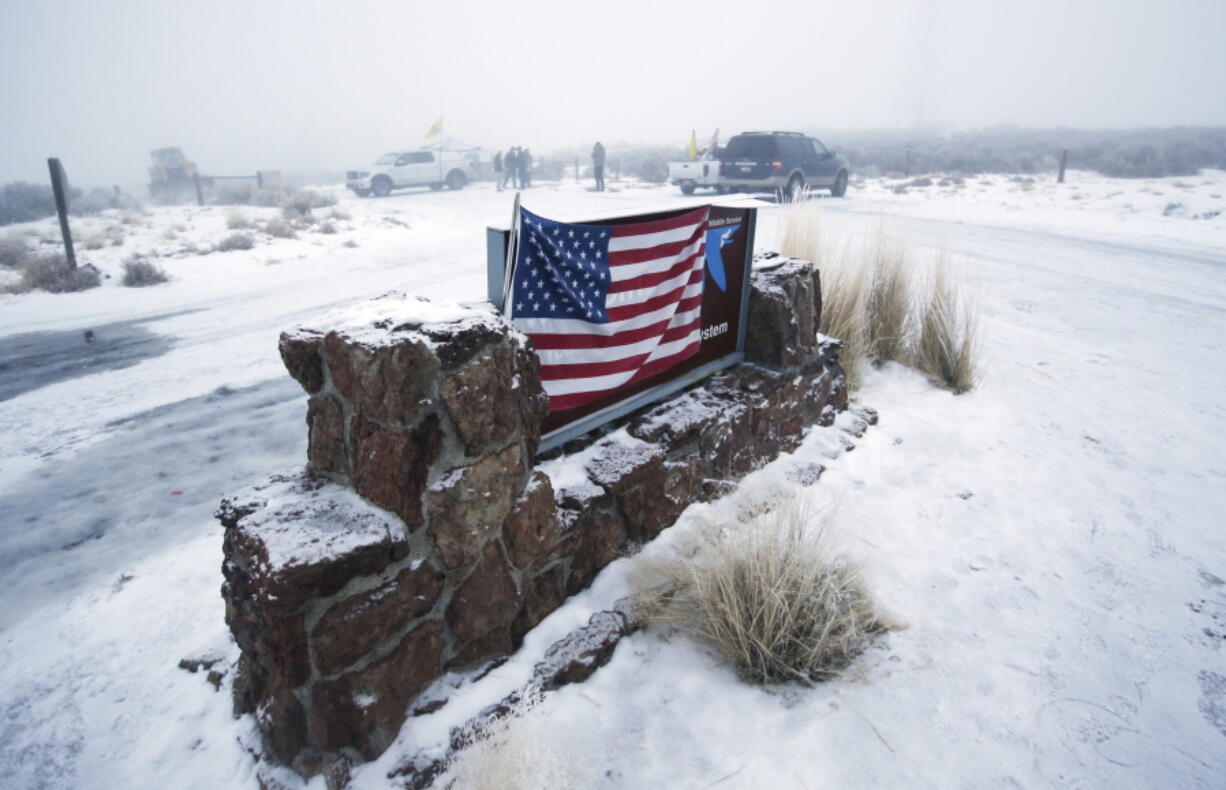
436	129
693	147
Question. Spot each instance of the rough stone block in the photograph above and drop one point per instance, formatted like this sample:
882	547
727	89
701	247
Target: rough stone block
784	313
468	506
601	539
392	381
619	466
482	400
297	536
656	502
487	600
354	626
532	528
365	710
542	595
679	420
300	351
390	468
326	435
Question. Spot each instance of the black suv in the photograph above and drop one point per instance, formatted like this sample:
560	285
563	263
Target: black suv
786	162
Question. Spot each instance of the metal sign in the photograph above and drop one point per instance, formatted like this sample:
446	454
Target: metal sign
725	304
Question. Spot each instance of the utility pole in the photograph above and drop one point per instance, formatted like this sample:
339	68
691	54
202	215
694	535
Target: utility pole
59	186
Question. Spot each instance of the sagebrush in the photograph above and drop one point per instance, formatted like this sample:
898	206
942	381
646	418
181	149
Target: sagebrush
236	241
52	273
774	595
13	252
138	273
280	229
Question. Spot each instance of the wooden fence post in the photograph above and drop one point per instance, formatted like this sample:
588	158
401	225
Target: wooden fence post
617	171
259	179
59	187
1063	162
576	170
199	191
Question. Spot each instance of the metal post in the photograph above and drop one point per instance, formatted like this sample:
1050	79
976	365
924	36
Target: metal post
259	179
617	173
58	187
576	170
1063	162
199	191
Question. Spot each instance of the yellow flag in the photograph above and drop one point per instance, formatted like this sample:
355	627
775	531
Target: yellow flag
436	129
693	149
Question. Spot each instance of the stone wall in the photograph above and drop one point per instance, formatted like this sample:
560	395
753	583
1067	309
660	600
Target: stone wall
423	537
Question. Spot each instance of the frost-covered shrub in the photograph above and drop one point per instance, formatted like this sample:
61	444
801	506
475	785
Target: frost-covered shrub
21	201
138	273
13	252
52	273
236	241
654	171
98	199
297	205
280	229
237	220
1132	153
775	596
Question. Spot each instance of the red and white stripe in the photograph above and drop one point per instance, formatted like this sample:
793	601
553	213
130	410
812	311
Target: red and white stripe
654	306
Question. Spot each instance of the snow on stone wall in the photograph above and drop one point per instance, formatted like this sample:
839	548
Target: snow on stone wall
457	543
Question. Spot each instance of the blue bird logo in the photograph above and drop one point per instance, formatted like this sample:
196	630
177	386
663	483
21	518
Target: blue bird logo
716	239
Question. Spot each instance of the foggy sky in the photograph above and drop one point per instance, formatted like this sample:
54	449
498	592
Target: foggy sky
311	86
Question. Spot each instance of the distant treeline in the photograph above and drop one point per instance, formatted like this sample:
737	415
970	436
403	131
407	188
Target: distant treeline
21	201
1129	153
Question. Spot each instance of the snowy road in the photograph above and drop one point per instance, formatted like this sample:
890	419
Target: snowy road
1053	539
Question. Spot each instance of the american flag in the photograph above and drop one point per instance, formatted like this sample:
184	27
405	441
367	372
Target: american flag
608	306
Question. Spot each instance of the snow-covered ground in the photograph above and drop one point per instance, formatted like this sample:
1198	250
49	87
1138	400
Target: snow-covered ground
1052	539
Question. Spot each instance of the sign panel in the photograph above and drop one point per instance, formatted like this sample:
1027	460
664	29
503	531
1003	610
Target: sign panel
725	298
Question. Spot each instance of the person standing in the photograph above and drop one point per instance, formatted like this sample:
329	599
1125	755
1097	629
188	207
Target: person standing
598	165
510	163
498	170
525	168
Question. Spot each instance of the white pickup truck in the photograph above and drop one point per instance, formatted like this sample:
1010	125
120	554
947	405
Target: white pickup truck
694	174
434	168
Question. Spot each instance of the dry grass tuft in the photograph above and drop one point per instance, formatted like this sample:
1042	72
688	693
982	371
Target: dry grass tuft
524	750
948	347
844	282
773	594
874	300
889	298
